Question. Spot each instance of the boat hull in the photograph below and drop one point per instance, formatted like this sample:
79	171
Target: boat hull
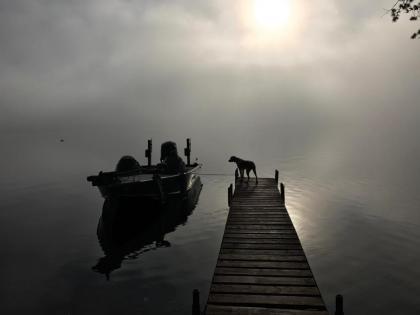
145	185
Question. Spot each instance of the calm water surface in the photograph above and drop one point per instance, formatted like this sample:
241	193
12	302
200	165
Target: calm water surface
359	229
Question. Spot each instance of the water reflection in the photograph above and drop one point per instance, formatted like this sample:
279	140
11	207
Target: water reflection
128	228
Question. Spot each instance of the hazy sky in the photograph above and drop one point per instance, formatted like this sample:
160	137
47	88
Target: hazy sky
105	70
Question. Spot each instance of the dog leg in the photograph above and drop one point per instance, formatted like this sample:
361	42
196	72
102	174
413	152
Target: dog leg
247	173
256	177
242	173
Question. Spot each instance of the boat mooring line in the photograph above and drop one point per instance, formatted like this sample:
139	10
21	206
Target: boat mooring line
214	174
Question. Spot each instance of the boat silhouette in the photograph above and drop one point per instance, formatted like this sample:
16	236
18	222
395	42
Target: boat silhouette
157	182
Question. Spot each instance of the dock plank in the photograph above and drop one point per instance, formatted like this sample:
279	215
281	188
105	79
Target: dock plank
254	236
261	258
266	300
240	310
280	252
226	245
260	220
229	239
264	280
265	232
229	271
264	289
291	262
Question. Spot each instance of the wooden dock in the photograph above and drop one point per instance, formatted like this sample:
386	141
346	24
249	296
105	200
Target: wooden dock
261	268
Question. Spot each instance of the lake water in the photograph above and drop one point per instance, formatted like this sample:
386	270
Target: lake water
330	99
355	208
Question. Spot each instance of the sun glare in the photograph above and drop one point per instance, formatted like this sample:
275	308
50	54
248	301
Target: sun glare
271	15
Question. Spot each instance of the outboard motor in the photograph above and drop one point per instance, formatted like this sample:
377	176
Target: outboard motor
127	163
166	149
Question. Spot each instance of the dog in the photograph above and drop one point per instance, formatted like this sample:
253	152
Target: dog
243	165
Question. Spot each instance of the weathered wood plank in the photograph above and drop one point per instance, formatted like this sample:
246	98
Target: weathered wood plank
246	216
257	194
264	289
227	239
262	257
234	221
235	310
273	227
258	211
259	206
263	201
256	197
289	262
266	225
264	280
285	252
263	272
261	246
261	220
260	236
266	232
268	201
258	216
299	302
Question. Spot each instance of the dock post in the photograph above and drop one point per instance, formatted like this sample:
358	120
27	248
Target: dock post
148	152
187	151
283	197
339	305
230	194
276	176
196	302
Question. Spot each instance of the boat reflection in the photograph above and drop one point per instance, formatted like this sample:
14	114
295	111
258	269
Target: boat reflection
128	228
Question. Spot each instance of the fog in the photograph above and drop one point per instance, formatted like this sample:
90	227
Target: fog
107	75
330	98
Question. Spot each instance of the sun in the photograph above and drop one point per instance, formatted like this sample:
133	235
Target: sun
271	15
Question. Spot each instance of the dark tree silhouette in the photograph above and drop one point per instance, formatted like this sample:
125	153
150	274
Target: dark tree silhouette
408	7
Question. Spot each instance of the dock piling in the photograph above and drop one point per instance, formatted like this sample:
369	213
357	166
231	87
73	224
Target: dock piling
339	310
187	151
282	193
276	176
148	152
230	194
196	302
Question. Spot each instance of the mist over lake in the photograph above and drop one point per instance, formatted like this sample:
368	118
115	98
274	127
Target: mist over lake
330	99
